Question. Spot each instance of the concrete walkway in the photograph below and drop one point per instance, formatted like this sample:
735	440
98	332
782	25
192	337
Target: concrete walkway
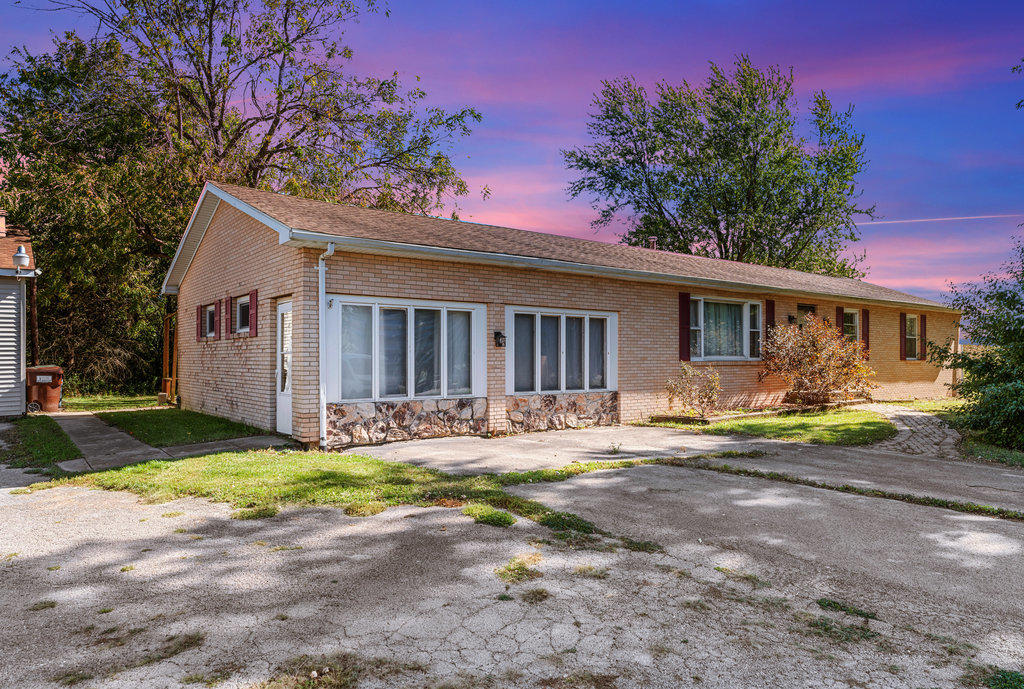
918	432
107	447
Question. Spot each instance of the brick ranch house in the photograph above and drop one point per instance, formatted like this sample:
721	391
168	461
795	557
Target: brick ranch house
339	325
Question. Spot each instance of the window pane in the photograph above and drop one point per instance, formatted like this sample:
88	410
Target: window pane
524	354
573	353
755	317
755	344
242	319
695	344
723	329
850	324
394	369
211	321
911	327
427	351
550	366
597	349
356	352
460	363
694	313
286	351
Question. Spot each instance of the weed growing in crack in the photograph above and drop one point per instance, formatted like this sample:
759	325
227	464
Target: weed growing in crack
534	596
591	572
42	605
519	569
752	579
829	604
839	632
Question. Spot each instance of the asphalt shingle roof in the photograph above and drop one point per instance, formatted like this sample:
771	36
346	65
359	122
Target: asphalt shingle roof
362	223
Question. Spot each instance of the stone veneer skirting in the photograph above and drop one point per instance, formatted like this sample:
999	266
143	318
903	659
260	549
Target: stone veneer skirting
364	423
555	412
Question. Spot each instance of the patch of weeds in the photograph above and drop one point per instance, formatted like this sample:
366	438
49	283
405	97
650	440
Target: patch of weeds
365	509
260	543
10	556
574	540
535	595
519	569
340	671
85	630
839	632
641	546
127	568
829	604
172	515
566	521
505	597
615	448
696	604
591	571
53	568
485	514
768	603
579	680
196	537
73	677
104	611
660	650
953	647
1004	679
110	639
752	579
280	616
42	605
258	512
173	645
279	548
676	572
180	530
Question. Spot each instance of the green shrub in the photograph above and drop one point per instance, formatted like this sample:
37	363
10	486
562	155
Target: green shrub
998	414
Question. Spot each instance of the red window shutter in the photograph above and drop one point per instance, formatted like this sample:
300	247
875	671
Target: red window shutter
216	319
924	337
199	323
865	330
229	321
684	326
769	312
254	314
839	318
903	337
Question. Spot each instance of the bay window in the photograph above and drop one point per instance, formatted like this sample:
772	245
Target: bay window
390	349
723	329
554	351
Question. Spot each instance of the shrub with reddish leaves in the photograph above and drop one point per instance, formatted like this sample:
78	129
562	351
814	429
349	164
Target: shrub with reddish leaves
817	362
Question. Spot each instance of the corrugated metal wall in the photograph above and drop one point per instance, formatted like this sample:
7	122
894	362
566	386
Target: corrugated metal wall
12	347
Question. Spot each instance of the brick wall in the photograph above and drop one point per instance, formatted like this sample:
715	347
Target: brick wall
235	377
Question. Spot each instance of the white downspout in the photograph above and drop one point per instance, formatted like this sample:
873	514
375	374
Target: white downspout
321	269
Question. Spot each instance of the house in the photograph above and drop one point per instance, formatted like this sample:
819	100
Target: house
340	325
13	273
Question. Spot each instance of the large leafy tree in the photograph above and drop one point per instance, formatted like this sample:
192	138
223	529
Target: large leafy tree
106	141
721	170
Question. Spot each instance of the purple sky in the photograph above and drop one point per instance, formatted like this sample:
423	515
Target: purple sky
930	81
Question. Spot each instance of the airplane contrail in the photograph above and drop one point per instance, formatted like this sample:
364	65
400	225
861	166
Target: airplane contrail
966	217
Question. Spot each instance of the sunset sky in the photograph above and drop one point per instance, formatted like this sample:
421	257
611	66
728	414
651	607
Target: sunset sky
930	81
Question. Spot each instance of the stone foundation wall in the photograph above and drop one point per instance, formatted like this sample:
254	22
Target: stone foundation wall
555	412
376	422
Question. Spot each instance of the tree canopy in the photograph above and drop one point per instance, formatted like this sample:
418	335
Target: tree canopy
106	142
721	170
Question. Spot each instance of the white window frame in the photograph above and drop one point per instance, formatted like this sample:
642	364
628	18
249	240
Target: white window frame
236	306
611	349
210	313
746	328
478	347
856	323
915	353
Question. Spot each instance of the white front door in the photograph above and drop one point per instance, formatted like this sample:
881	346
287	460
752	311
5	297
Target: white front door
284	368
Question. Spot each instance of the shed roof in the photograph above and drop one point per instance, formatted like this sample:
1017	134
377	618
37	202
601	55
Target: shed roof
308	222
9	244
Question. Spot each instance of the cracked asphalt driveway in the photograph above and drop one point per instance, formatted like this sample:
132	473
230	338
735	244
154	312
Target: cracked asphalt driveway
96	585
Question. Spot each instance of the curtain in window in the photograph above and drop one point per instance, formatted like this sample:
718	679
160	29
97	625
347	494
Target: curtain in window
523	354
723	329
597	349
460	355
427	351
356	352
394	371
550	354
573	353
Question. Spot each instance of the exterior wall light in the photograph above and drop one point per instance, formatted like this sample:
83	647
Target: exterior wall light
20	260
499	339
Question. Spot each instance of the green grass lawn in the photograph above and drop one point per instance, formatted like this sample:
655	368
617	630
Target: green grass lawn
168	427
37	442
839	427
108	402
970	446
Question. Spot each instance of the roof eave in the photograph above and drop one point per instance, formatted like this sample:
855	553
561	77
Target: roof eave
312	239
